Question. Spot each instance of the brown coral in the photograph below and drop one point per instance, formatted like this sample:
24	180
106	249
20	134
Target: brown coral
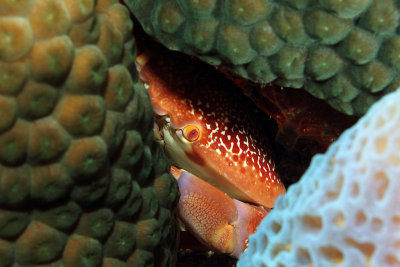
79	170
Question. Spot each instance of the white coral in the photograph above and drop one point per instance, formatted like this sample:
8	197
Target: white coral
345	210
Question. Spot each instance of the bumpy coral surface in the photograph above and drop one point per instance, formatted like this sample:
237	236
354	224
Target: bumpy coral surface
81	181
345	209
345	52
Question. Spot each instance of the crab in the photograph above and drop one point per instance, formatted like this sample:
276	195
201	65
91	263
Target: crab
229	181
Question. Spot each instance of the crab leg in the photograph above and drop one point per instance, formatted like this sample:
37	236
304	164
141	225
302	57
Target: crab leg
219	222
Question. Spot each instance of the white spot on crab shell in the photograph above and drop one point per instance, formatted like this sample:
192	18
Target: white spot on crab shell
215	130
218	151
224	145
246	142
208	126
146	85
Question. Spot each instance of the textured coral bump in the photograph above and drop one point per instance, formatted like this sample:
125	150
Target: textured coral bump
81	180
344	52
345	209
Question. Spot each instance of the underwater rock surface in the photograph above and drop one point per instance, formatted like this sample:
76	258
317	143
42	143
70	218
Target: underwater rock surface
82	183
344	52
344	210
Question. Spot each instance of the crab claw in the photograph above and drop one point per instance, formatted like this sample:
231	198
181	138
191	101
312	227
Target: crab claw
248	220
219	222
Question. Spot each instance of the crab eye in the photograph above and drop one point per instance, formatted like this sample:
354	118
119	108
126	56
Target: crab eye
191	133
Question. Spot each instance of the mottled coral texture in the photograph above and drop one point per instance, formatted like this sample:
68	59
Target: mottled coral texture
345	209
82	182
345	52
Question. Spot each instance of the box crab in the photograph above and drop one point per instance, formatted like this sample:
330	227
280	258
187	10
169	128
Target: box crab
211	135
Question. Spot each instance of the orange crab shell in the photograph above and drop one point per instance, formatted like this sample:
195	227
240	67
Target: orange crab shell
230	149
